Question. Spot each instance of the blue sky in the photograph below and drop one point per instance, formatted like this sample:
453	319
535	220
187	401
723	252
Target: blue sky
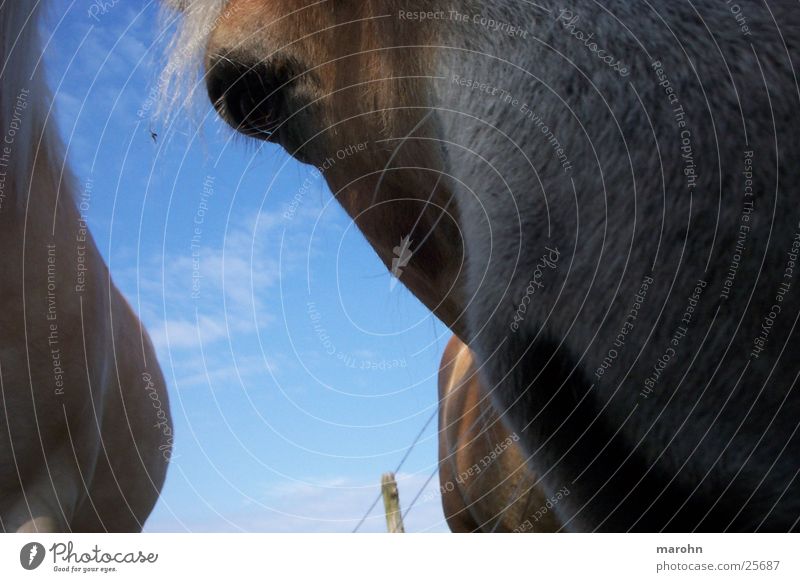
297	374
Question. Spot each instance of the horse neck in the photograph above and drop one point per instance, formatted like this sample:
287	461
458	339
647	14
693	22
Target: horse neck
31	152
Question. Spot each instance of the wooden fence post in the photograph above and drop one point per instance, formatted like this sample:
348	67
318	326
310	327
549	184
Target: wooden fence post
391	503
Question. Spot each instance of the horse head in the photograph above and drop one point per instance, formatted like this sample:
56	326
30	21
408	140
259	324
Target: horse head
345	87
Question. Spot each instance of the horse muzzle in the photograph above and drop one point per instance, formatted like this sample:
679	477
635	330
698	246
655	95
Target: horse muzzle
249	95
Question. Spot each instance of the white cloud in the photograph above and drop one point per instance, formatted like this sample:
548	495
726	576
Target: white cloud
218	376
205	294
181	334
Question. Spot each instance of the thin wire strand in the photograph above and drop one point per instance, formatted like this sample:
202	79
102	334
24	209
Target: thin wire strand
399	466
419	493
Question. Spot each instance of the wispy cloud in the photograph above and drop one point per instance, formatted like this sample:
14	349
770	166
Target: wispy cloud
175	334
329	505
207	292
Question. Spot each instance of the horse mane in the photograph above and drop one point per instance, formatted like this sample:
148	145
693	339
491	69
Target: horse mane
183	70
28	136
196	20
